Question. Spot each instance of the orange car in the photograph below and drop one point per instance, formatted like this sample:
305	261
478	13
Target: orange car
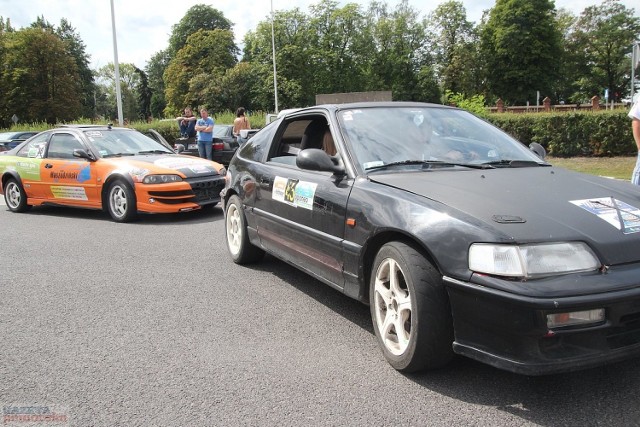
119	170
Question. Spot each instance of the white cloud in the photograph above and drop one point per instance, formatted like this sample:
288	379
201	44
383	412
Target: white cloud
143	27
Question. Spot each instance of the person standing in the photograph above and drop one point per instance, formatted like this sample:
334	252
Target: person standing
241	122
204	129
635	128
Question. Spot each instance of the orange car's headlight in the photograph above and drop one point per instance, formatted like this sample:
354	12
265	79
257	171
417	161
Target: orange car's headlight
161	179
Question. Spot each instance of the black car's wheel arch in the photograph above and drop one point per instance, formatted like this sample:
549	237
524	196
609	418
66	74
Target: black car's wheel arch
107	184
373	246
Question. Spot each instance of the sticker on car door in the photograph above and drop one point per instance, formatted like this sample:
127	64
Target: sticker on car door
294	192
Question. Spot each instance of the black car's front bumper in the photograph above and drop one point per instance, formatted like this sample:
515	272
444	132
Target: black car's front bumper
509	330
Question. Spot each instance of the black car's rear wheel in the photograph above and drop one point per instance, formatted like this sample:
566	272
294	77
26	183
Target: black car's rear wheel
241	250
121	201
410	309
15	196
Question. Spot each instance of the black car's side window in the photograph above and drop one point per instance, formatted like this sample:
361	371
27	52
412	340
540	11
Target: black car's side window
62	145
309	132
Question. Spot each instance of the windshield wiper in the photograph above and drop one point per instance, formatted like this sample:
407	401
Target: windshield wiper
118	155
156	152
516	163
432	162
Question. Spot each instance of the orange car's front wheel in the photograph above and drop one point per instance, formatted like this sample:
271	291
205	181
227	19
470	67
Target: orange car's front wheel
121	202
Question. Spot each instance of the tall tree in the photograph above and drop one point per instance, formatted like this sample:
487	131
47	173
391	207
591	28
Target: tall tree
292	34
143	93
521	46
400	41
198	17
155	70
604	35
129	85
77	49
41	77
205	57
454	46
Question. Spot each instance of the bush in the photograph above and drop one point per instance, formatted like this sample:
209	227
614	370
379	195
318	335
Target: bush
566	134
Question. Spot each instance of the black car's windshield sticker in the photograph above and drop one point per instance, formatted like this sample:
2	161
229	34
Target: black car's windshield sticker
293	192
619	214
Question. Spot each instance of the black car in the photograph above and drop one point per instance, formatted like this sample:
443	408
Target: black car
225	144
460	238
10	140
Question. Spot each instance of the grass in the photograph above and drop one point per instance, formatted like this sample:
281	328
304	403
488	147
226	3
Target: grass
614	167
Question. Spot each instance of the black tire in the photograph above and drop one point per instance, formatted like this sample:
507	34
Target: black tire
418	304
15	196
121	201
235	230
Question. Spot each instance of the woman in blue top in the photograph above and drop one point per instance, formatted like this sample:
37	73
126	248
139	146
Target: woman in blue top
204	128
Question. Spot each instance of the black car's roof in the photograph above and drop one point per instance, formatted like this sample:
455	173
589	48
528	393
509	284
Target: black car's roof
372	104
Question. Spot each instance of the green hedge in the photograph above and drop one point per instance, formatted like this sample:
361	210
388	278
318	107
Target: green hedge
568	134
563	134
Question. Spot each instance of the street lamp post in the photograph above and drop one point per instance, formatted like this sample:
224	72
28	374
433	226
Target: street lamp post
116	66
273	47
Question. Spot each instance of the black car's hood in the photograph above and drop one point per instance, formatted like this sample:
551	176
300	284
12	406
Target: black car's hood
538	204
167	163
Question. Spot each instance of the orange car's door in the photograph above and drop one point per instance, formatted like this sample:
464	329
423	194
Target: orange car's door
69	180
28	164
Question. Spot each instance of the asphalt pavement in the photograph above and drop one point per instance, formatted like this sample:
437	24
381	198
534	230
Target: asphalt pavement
152	324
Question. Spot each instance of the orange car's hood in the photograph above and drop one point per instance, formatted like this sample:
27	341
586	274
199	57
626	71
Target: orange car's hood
189	166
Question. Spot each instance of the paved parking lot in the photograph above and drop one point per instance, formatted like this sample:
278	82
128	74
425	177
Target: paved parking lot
150	323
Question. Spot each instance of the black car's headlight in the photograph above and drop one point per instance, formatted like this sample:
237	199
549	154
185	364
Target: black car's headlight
161	179
535	260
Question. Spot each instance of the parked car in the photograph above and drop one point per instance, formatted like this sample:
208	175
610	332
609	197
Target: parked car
10	140
460	238
119	170
225	143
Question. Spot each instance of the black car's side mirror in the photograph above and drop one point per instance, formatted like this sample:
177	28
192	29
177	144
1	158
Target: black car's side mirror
538	150
82	153
317	160
179	148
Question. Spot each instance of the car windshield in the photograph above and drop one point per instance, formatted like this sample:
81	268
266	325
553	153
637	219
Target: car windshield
386	137
122	142
220	131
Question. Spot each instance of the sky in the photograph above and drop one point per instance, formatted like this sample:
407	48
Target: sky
143	26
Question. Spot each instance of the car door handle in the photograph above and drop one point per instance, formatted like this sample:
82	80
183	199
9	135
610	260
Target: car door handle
264	181
48	165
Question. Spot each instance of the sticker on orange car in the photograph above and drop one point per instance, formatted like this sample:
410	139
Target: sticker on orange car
66	192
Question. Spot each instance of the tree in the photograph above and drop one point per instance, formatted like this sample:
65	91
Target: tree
400	50
41	77
454	47
143	93
155	70
603	35
130	81
521	46
206	56
198	17
75	47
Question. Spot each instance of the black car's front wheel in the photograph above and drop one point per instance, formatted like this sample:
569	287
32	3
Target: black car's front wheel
121	202
410	309
241	250
15	196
